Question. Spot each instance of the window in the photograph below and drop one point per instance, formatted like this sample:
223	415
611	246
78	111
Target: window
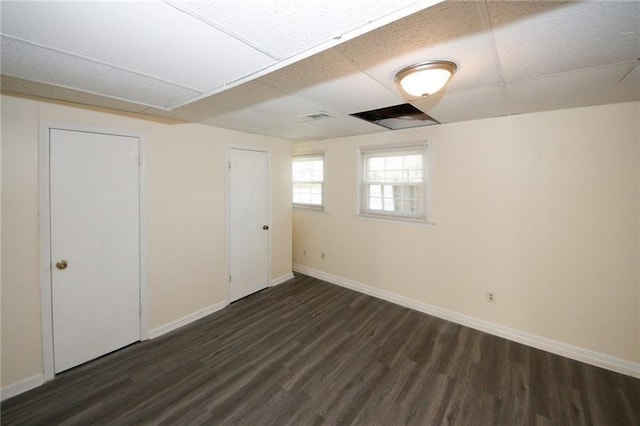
393	182
308	181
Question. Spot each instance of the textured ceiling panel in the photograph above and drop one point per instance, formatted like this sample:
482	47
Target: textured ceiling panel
234	99
325	128
513	57
326	77
294	26
626	90
541	38
257	105
269	114
451	30
581	88
26	87
148	37
467	105
30	62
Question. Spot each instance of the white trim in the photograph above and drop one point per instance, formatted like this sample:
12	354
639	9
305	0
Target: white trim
425	147
391	148
281	279
44	231
588	356
396	221
303	210
46	315
144	237
313	208
22	386
187	319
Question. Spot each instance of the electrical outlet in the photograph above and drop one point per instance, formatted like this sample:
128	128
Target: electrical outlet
491	297
322	256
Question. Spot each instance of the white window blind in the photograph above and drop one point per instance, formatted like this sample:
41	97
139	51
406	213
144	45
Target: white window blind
308	181
393	182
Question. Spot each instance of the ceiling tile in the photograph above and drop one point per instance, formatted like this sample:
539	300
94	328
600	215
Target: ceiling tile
541	38
268	114
26	87
30	62
235	99
627	89
148	37
293	27
325	128
254	105
467	105
552	55
451	30
575	89
325	78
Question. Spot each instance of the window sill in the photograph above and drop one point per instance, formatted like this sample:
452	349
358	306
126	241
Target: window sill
397	221
310	210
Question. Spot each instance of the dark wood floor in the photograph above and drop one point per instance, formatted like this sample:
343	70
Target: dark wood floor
308	352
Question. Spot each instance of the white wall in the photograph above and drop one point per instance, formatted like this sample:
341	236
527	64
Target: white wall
542	209
186	193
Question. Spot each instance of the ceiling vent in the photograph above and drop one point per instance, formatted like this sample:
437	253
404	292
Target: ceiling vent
316	116
396	117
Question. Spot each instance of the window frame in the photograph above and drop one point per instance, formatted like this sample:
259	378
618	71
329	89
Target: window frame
312	207
425	148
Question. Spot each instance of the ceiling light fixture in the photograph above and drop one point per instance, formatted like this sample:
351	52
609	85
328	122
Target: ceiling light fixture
424	79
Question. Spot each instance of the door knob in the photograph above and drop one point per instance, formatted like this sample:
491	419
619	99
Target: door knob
61	264
265	227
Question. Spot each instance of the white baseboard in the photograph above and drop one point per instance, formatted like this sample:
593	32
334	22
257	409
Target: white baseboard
180	322
574	352
21	386
37	380
281	279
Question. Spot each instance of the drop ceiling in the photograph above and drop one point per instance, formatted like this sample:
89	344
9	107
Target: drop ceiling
264	66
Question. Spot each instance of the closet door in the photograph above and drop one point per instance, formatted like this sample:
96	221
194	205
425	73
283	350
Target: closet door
248	222
95	244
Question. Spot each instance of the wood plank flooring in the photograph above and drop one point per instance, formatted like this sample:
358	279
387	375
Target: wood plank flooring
308	352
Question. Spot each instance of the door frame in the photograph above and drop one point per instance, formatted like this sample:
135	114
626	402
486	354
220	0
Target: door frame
44	203
266	151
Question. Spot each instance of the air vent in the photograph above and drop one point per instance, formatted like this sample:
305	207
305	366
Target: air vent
396	117
316	116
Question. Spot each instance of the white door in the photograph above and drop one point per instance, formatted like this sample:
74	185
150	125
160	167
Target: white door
248	222
95	244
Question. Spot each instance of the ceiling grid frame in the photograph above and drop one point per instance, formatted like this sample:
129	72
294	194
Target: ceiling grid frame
334	41
476	37
176	5
97	61
485	17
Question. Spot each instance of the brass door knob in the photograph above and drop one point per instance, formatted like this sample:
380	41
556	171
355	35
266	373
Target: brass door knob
61	264
265	227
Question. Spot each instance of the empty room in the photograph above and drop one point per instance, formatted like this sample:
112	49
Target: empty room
340	212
